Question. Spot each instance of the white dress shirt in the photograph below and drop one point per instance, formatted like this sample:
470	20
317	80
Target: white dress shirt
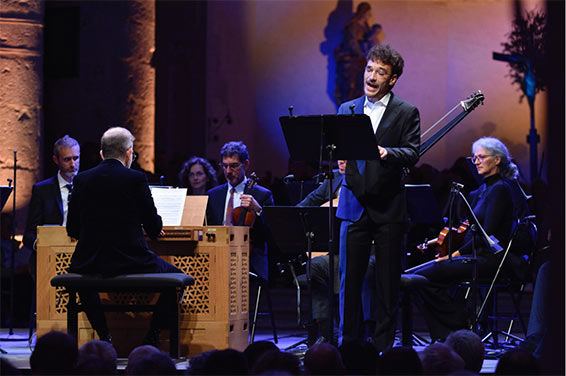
376	110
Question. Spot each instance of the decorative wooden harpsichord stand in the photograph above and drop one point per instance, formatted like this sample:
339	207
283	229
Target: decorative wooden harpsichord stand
214	311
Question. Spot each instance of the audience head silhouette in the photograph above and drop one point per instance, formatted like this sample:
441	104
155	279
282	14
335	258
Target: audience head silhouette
469	346
255	350
97	357
275	360
55	353
517	362
226	362
440	359
138	354
359	357
399	361
324	359
154	364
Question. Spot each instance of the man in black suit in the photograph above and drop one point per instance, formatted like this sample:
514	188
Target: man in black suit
49	198
110	209
372	201
236	192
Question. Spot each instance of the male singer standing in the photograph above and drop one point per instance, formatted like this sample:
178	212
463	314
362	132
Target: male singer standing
372	201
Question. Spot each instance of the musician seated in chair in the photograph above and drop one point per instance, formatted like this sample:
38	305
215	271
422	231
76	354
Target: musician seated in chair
240	196
110	208
493	205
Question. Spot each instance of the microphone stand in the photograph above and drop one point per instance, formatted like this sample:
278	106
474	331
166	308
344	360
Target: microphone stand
330	148
456	188
12	261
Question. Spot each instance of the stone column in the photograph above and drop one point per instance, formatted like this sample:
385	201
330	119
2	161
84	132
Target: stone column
140	110
21	120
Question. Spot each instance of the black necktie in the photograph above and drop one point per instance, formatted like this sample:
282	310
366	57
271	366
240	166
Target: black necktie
70	189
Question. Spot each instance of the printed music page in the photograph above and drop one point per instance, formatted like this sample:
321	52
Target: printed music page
170	203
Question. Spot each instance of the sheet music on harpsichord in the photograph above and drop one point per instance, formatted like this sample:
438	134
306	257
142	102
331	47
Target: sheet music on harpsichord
170	203
178	209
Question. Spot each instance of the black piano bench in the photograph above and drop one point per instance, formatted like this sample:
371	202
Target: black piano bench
164	283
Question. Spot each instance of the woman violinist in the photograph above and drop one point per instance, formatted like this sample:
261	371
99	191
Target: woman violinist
492	204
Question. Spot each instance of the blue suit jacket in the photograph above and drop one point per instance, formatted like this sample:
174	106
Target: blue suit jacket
376	185
320	195
45	208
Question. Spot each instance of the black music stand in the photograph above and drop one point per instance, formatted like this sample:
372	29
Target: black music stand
290	225
330	137
296	229
4	194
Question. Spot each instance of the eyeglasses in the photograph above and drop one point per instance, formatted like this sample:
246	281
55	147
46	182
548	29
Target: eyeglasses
480	158
233	166
134	155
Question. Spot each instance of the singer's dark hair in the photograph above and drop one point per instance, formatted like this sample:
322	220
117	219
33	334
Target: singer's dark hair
235	148
389	56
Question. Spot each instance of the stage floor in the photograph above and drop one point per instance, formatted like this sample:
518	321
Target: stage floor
17	348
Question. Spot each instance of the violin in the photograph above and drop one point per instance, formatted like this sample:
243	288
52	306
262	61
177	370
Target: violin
458	235
242	216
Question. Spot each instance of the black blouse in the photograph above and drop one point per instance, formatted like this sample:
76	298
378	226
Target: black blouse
493	206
